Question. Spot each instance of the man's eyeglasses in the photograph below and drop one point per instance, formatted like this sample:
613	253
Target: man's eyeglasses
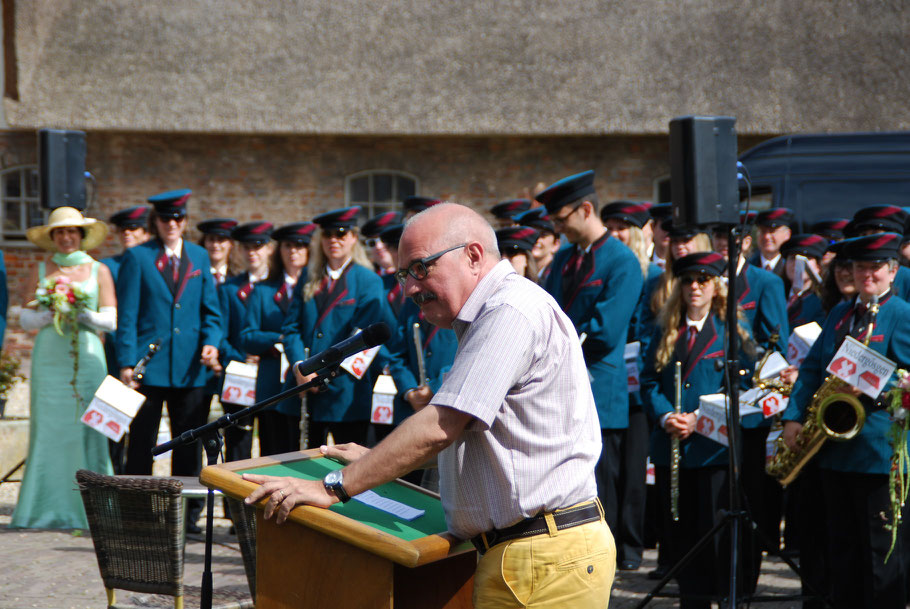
699	279
419	269
560	220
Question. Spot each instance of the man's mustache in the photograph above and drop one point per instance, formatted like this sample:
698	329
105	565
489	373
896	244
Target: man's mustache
423	297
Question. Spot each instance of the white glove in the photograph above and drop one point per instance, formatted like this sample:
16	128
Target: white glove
105	320
30	319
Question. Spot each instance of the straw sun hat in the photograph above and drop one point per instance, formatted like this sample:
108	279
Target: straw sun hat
95	230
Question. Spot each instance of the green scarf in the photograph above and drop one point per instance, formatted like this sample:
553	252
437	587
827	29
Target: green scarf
71	259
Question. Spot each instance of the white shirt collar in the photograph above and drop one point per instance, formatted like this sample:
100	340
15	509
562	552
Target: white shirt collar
765	262
221	269
290	280
698	324
334	275
178	249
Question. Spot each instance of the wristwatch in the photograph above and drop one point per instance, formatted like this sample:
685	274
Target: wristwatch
334	484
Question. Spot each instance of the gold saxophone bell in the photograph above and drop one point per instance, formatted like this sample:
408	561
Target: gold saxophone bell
841	416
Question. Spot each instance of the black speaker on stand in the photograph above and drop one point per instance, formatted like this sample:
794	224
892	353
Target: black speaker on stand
61	168
703	183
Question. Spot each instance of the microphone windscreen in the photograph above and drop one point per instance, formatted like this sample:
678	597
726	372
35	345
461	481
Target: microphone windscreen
376	334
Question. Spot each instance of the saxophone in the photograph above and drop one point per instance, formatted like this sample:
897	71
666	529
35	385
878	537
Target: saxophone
834	414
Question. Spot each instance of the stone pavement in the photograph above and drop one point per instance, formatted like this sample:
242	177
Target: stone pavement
57	569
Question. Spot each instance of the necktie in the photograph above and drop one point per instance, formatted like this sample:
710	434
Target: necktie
858	326
768	267
219	277
172	261
690	340
287	290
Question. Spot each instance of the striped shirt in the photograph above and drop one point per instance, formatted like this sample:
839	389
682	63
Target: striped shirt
535	437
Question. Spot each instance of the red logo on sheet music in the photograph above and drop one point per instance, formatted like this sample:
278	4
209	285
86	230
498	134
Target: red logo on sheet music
357	365
792	353
113	426
92	417
769	405
705	426
722	430
870	378
843	367
382	414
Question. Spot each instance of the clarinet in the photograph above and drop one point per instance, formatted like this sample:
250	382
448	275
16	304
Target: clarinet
421	365
139	368
674	448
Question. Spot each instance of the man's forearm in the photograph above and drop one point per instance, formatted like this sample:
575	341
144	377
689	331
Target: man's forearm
415	442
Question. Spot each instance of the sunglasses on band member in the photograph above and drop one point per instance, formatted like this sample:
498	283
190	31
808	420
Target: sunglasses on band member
419	269
700	279
337	233
371	242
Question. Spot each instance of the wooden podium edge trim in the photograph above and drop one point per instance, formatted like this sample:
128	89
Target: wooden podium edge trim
407	553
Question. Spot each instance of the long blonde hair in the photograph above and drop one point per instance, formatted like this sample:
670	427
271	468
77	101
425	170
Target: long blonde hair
667	279
317	262
640	248
674	311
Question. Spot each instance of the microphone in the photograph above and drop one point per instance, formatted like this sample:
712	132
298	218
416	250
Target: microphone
371	336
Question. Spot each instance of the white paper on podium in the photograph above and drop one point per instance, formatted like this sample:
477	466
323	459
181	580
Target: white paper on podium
389	506
773	365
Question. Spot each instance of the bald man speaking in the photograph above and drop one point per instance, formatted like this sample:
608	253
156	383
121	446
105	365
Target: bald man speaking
513	424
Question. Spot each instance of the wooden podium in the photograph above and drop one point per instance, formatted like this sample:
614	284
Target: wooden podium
351	555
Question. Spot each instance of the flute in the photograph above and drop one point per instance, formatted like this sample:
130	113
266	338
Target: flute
674	448
139	368
421	365
304	413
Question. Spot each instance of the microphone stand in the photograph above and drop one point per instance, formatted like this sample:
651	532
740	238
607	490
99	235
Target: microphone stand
212	442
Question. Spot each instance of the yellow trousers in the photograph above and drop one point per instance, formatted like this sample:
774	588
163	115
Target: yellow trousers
572	569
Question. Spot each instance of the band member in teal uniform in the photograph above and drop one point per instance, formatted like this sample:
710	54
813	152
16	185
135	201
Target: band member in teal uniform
342	295
166	293
267	306
234	294
381	257
515	245
773	230
692	331
883	219
597	283
395	295
760	295
131	228
854	473
804	304
504	212
624	220
547	243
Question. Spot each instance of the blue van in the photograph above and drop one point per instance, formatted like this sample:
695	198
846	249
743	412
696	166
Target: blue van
832	175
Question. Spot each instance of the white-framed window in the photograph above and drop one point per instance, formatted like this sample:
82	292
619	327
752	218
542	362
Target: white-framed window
19	205
379	190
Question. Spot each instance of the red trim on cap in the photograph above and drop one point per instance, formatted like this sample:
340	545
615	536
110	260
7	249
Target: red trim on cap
888	210
386	218
137	213
710	258
347	215
523	233
774	214
881	241
306	230
812	240
261	228
181	201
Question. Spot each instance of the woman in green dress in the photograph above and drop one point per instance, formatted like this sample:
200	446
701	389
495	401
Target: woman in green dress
59	443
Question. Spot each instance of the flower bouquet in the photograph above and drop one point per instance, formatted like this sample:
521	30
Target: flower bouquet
897	402
65	300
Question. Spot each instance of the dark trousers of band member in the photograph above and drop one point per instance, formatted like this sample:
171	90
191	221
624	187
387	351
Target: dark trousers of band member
857	508
764	499
278	433
607	474
186	409
629	531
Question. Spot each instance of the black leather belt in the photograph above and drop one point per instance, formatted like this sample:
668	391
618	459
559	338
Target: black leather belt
564	519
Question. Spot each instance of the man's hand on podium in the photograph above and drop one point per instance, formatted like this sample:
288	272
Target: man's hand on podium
346	453
283	494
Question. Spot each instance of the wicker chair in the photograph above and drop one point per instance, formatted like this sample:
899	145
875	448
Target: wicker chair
137	528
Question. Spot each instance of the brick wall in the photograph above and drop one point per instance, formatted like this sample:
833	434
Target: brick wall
290	178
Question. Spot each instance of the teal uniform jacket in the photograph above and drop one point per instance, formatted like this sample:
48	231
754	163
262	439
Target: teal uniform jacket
233	295
642	326
599	292
902	283
184	315
869	452
355	301
805	309
394	293
265	312
700	377
110	342
438	346
760	294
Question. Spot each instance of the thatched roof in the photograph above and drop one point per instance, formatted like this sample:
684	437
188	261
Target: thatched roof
459	66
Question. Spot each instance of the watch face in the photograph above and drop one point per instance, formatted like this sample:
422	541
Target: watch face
333	477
